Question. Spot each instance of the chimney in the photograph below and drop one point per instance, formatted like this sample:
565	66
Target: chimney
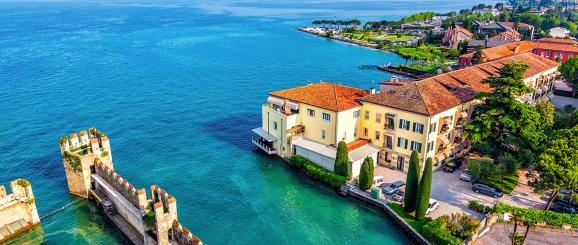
517	49
394	79
372	90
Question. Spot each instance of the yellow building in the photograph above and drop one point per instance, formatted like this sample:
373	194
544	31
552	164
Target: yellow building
427	116
310	121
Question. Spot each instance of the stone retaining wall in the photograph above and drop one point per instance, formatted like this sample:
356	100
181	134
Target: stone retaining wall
411	233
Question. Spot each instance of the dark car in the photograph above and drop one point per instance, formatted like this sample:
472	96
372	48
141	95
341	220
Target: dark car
453	165
485	189
566	201
562	208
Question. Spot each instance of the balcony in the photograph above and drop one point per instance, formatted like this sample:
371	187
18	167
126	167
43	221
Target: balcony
264	140
390	127
266	146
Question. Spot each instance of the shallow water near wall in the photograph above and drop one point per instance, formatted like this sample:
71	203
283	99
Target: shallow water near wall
177	87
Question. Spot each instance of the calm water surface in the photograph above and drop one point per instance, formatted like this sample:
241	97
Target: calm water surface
178	86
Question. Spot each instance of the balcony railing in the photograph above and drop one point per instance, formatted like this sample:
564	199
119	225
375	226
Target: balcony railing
389	127
258	141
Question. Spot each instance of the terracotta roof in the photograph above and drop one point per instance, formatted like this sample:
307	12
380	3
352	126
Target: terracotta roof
399	82
356	144
510	34
442	92
557	44
325	95
557	40
520	25
501	51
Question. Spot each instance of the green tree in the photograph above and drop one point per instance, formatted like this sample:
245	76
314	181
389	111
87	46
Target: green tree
481	168
424	190
342	166
478	55
503	123
546	110
569	71
558	164
366	174
412	183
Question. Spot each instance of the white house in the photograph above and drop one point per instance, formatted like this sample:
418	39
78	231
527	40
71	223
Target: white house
559	32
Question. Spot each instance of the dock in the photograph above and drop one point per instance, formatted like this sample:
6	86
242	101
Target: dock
397	70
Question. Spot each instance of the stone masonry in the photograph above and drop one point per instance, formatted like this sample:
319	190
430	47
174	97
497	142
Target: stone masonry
17	210
90	174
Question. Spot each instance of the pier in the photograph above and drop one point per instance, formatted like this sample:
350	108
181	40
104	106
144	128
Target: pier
397	70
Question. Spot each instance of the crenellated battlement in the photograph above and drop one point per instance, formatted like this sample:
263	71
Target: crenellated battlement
87	159
120	184
183	236
18	209
79	153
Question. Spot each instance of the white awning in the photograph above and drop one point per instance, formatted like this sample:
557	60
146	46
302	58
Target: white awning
447	120
275	101
293	105
266	136
464	114
363	152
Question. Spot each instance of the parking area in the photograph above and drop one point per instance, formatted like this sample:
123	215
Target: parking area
454	194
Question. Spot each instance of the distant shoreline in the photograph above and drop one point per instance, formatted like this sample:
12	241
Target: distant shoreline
314	31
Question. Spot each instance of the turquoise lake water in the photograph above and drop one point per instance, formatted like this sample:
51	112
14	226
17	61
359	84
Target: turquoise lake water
177	86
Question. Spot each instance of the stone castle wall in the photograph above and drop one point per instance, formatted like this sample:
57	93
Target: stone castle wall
79	155
17	207
118	183
182	236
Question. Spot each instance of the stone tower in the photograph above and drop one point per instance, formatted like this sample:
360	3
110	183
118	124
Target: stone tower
79	156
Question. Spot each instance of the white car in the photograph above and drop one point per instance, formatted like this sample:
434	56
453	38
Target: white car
433	204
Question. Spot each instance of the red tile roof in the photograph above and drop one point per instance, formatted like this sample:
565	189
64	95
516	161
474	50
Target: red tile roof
442	92
325	95
520	25
356	144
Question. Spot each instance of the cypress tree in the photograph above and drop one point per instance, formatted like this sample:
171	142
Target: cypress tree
366	174
412	182
342	166
424	190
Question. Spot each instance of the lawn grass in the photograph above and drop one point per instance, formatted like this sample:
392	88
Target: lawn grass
429	67
416	224
365	36
510	182
394	38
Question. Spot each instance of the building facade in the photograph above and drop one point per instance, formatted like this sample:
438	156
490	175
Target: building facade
554	49
427	116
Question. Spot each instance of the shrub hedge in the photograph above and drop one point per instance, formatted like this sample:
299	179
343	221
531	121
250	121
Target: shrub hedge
534	216
317	172
480	208
436	233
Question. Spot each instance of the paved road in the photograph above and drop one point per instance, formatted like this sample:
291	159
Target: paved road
560	101
454	194
499	234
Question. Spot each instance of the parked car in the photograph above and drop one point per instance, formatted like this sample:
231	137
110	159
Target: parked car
453	165
485	189
562	208
466	176
377	180
399	195
433	204
393	187
566	201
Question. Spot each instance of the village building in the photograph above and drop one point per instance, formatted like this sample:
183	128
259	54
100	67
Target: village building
455	35
559	32
427	116
551	48
492	11
489	27
310	121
